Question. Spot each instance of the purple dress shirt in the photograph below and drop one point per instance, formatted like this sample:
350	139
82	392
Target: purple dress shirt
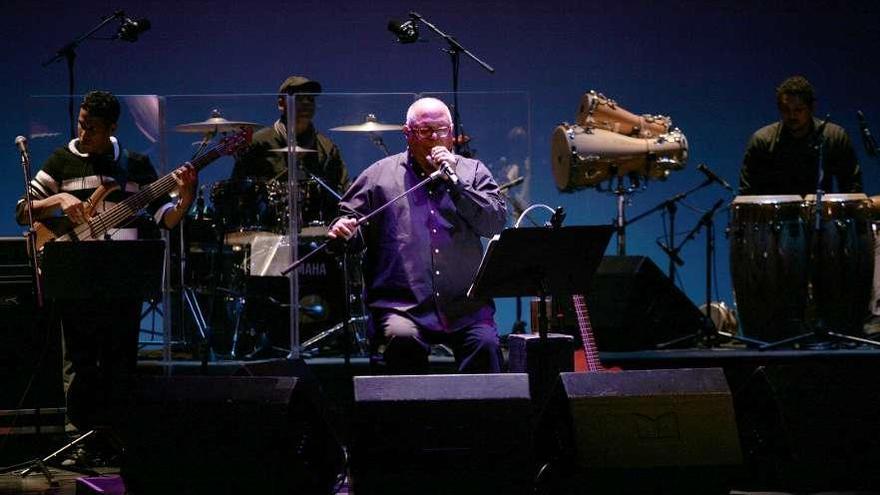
423	252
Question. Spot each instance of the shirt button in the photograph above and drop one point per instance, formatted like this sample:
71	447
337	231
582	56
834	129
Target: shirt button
437	294
437	272
436	251
432	212
433	231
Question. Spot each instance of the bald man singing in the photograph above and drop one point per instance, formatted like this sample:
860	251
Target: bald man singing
423	252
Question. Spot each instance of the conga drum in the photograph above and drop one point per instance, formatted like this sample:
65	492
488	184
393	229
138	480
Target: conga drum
769	263
842	261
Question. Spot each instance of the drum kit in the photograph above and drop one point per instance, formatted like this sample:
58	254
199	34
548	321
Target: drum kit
236	247
802	270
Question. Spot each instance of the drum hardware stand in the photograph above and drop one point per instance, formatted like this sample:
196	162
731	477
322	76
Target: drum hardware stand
623	194
455	50
818	331
707	334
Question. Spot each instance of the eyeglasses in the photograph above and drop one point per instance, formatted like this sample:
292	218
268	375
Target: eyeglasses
427	132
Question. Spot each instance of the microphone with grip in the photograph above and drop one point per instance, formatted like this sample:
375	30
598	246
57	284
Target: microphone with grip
130	29
713	177
406	32
867	137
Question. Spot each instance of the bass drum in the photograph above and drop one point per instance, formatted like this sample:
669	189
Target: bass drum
769	265
584	157
843	261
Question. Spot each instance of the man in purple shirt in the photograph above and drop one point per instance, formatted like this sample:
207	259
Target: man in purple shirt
423	251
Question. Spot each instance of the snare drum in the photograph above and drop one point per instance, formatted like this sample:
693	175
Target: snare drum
245	205
769	265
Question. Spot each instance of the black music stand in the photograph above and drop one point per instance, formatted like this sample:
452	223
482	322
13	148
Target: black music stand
75	271
540	261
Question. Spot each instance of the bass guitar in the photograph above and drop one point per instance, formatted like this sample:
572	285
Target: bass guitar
98	225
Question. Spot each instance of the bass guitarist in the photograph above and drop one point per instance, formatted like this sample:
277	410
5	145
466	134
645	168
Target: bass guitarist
100	336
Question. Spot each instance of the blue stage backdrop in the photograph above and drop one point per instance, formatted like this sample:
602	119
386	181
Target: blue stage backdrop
711	66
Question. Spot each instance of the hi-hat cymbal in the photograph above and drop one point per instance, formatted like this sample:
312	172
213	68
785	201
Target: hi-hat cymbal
214	124
288	149
370	124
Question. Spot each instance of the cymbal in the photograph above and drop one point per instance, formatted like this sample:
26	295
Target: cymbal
288	148
216	123
370	124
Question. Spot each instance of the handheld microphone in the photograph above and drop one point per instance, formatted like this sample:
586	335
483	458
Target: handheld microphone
445	167
713	177
449	172
867	137
130	29
407	32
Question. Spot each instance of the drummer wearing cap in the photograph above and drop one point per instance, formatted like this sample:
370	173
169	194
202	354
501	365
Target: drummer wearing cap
781	157
325	162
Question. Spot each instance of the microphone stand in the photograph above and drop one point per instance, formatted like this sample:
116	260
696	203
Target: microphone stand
364	219
708	332
455	50
31	233
671	207
68	52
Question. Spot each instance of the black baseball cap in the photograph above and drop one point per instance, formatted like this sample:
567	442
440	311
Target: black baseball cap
299	84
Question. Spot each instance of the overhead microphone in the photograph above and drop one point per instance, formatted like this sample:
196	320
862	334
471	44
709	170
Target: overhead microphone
130	29
712	176
406	32
867	137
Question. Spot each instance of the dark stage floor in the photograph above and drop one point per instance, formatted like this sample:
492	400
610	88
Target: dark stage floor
808	421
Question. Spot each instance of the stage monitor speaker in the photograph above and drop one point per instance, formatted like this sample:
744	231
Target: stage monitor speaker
441	434
813	426
650	431
209	434
634	306
31	393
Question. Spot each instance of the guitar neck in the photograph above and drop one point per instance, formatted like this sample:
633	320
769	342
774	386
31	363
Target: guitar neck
591	353
100	224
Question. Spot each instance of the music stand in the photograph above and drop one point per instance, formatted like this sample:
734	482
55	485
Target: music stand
75	271
540	261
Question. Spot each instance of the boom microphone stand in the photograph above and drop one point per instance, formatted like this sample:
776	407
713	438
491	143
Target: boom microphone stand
707	334
455	50
68	52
